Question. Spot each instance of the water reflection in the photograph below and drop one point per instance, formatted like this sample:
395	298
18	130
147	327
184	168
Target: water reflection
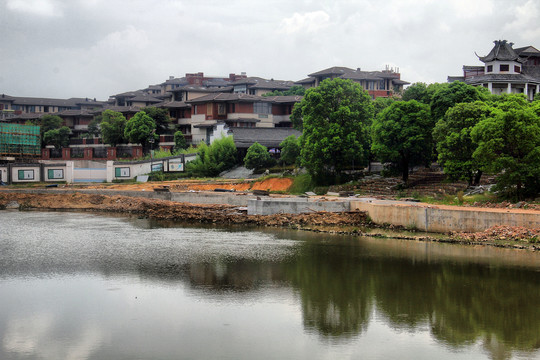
137	279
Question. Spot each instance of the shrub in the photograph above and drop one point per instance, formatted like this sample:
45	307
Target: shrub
258	157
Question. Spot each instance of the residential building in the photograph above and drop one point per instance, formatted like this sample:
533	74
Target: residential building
505	70
384	83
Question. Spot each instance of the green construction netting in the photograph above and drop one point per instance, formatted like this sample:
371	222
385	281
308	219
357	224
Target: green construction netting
18	139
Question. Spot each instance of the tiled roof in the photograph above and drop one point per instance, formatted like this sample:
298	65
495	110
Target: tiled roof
502	51
143	97
309	80
173	105
519	78
336	70
74	113
455	78
222	97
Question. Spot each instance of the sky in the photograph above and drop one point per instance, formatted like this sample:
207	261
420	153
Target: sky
98	48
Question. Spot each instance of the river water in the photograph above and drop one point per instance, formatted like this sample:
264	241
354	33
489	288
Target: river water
86	286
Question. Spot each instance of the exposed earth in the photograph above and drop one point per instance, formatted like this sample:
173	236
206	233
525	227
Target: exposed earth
356	223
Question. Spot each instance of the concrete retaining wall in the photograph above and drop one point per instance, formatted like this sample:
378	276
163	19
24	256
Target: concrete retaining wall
269	206
433	218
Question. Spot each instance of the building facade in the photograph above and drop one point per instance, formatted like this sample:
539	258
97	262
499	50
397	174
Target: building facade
506	70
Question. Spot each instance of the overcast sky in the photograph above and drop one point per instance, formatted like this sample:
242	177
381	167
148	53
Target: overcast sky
97	48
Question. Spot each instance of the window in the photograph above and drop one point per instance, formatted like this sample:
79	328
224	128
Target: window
221	109
209	109
262	108
195	110
371	85
504	67
381	85
517	69
489	68
232	108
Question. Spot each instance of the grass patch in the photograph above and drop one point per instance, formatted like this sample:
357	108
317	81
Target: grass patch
460	199
301	184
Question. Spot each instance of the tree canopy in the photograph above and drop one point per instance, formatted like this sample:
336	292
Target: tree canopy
258	157
59	137
160	117
179	140
509	145
448	95
140	129
112	127
401	134
214	159
294	90
335	118
454	143
290	150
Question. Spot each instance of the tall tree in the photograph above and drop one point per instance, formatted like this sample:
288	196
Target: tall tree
258	157
454	143
112	126
179	141
509	145
290	150
140	129
448	95
336	117
401	134
59	137
160	117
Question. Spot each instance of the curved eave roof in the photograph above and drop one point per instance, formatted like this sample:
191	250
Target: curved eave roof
506	78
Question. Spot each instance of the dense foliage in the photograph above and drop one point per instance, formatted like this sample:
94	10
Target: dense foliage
455	146
335	118
258	157
179	141
290	151
140	129
112	127
294	90
59	138
161	118
401	135
509	145
214	159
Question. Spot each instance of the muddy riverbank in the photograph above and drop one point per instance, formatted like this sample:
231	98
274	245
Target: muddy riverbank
355	223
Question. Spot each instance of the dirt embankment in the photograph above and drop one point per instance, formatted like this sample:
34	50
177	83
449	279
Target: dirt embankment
339	223
169	210
271	184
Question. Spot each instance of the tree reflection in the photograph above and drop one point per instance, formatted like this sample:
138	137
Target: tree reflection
335	291
462	303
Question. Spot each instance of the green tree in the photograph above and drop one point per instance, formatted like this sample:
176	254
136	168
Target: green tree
381	103
294	90
140	129
179	141
214	159
509	144
59	138
50	122
402	135
454	143
94	126
290	150
335	117
448	95
258	157
112	126
417	91
160	117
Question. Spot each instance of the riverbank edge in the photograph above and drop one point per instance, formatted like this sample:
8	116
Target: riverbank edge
345	223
